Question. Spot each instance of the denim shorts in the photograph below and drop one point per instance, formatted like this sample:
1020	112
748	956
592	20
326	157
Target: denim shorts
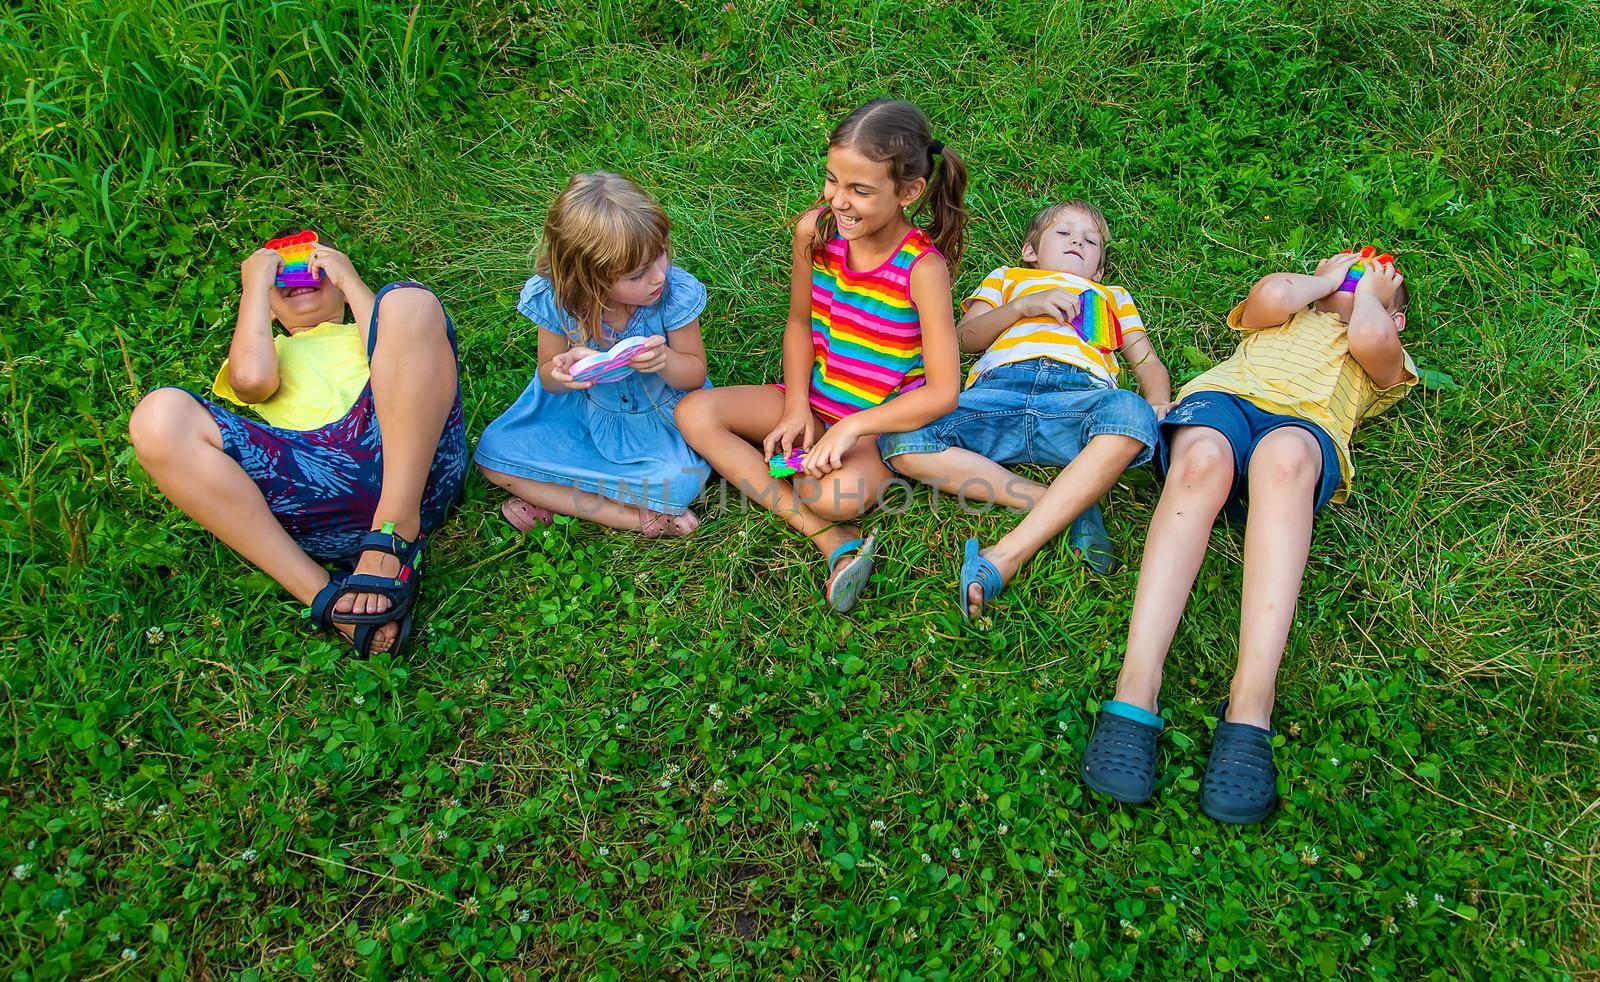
1243	424
1039	411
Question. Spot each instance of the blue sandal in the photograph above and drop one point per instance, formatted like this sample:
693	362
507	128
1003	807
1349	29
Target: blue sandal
1121	757
845	585
1241	782
976	569
1090	542
401	589
319	617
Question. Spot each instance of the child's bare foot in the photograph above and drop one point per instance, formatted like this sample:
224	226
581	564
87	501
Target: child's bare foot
1005	564
375	563
382	636
659	525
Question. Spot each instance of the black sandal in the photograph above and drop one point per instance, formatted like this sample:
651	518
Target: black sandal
1241	782
401	590
362	637
1120	759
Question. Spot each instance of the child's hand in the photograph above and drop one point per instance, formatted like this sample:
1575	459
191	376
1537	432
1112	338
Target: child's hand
828	453
260	269
1333	269
1161	409
561	367
334	265
1062	305
652	358
1381	280
793	430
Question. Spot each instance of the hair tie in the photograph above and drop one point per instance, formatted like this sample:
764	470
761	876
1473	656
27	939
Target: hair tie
935	148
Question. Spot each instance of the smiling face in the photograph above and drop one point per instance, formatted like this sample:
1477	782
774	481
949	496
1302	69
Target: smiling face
300	307
643	286
862	195
1072	242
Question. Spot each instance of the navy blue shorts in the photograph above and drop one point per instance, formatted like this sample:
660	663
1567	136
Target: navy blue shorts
322	485
1243	425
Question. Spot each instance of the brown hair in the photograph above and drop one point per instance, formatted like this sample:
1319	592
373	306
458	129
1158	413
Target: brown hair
1048	215
601	228
898	134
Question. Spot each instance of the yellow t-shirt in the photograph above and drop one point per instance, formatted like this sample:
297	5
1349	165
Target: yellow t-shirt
321	372
1045	337
1304	368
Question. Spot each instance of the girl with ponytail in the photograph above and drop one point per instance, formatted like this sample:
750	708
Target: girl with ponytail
870	347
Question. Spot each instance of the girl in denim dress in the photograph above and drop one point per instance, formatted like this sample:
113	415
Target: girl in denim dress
606	452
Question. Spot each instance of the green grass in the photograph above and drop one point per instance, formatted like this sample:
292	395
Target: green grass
632	758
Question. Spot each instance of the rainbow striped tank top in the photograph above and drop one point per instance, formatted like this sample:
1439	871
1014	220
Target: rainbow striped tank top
864	328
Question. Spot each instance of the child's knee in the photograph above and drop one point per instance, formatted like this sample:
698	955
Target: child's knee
1203	461
1287	456
695	412
839	501
410	311
161	423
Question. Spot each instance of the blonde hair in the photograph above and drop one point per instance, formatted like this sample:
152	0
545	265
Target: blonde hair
601	228
1048	215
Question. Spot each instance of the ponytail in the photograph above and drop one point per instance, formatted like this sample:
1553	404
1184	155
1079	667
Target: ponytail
944	202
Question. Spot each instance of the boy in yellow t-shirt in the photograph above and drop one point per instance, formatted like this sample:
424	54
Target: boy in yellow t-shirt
362	453
1044	392
1271	426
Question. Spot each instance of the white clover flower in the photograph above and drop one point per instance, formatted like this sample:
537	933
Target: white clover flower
926	859
21	871
910	935
1020	935
1194	850
249	855
1309	856
1052	873
878	826
524	915
129	954
1483	730
61	916
455	802
605	851
154	636
810	827
359	700
1366	941
1438	898
714	711
956	853
1336	762
718	788
1411	899
1003	828
1593	738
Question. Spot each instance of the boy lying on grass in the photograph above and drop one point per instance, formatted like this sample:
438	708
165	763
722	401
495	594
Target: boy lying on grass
1269	427
363	451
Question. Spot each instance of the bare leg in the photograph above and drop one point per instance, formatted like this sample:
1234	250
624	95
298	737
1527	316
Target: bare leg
1284	471
1079	485
971	476
725	426
179	445
413	388
1201	475
565	500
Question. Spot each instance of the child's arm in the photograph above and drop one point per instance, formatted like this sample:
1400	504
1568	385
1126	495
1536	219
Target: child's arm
1374	332
1155	383
941	365
252	359
556	356
1277	297
681	361
983	322
340	272
798	427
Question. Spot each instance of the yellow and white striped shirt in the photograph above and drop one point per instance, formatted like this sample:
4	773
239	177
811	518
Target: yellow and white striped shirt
1045	337
1304	368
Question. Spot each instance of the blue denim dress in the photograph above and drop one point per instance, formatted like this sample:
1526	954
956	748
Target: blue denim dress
616	439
